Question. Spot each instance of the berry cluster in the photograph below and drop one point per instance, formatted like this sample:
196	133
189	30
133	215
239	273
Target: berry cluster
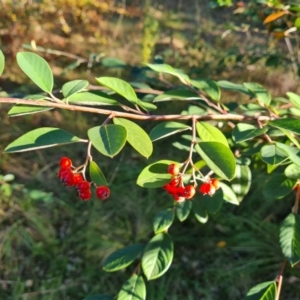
176	188
180	192
69	177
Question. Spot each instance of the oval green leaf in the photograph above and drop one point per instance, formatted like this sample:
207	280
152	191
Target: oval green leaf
37	69
212	204
294	98
263	291
158	256
72	87
292	171
41	138
122	258
2	62
180	94
108	139
96	174
278	186
210	133
289	124
218	158
94	98
292	152
183	210
163	220
227	85
199	210
210	87
273	155
155	175
261	94
166	129
228	193
133	289
112	62
120	87
136	137
290	238
244	132
241	182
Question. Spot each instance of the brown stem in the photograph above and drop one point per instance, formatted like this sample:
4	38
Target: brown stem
296	204
232	117
279	280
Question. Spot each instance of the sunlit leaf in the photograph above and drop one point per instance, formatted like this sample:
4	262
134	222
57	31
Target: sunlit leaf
243	132
290	238
210	87
166	129
122	258
262	95
228	194
163	220
133	289
41	138
96	174
94	98
292	171
263	291
178	94
2	62
240	184
289	124
230	86
273	155
108	139
210	133
72	87
112	62
136	137
158	256
37	69
294	98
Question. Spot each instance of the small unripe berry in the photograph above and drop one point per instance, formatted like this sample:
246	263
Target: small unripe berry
102	192
85	195
215	182
173	169
65	162
189	191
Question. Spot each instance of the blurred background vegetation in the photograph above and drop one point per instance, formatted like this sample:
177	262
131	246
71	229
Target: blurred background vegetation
51	244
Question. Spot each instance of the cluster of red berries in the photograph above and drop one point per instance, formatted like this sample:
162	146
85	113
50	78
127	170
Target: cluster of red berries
209	188
69	177
180	192
175	186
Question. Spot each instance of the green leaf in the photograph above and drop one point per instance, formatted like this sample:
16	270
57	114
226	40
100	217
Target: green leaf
179	94
294	98
183	210
210	133
227	85
133	289
96	174
292	171
147	106
165	129
278	186
263	291
99	297
158	256
155	175
164	68
241	182
292	152
289	124
210	87
122	258
218	157
212	204
199	210
244	132
289	238
119	86
73	87
95	98
163	220
272	154
228	193
108	139
112	62
37	69
41	138
136	137
2	62
262	95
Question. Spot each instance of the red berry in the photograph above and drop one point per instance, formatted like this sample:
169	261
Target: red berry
66	176
65	162
205	188
212	190
215	182
82	186
180	191
85	195
173	169
77	178
103	192
175	181
189	191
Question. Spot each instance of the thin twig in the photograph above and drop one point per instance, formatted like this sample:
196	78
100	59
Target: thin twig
231	117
